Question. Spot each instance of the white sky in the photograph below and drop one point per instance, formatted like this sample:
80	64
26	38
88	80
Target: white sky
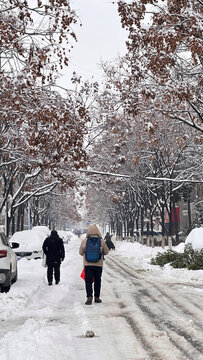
100	37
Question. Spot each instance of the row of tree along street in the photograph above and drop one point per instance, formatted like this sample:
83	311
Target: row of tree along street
41	132
151	109
144	123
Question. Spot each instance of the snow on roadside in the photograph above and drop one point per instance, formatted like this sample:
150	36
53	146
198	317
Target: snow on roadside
141	256
195	238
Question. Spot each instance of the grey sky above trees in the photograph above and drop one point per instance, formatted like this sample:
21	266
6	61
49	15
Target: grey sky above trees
100	37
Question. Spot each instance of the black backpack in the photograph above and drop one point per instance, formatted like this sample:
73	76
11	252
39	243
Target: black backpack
93	249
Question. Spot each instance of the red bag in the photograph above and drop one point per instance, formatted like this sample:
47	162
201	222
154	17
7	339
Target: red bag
82	275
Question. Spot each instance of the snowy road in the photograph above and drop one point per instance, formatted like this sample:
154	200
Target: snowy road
166	318
143	316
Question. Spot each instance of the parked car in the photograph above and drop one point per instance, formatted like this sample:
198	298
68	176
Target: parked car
30	242
8	263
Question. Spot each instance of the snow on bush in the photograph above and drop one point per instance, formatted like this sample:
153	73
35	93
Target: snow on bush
195	238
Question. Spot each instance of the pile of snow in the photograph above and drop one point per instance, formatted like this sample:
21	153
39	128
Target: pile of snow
31	240
141	255
195	238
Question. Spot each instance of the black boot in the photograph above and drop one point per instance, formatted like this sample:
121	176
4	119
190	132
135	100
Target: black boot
97	300
89	301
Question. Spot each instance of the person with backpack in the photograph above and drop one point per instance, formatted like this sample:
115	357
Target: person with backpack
93	248
55	253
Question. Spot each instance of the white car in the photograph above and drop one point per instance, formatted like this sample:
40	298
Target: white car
30	242
8	263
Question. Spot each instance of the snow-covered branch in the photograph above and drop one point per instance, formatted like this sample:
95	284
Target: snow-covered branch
27	177
193	181
44	190
105	173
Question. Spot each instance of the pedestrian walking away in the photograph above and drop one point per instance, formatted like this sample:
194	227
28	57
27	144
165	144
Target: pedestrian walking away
93	248
113	239
109	242
55	253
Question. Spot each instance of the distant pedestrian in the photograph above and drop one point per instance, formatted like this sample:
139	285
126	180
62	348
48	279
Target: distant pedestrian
113	239
93	268
55	253
109	243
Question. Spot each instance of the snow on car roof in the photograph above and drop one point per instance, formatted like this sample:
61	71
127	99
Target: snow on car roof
31	240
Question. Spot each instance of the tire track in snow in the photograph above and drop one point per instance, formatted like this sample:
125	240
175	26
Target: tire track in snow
167	308
144	330
175	334
178	303
196	344
164	290
192	289
172	308
180	338
145	344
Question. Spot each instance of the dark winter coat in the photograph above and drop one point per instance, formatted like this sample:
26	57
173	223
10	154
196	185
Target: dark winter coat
109	243
54	249
107	237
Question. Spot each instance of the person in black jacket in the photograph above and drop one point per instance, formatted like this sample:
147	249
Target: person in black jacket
55	253
109	242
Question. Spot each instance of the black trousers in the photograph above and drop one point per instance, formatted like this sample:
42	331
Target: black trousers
93	272
53	268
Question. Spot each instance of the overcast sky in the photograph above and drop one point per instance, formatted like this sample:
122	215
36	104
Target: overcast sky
100	37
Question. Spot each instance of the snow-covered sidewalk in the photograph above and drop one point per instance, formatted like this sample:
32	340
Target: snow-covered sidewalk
50	323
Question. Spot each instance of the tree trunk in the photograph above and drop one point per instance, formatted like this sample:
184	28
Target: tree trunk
163	241
152	230
175	223
152	241
142	225
6	219
137	229
163	227
170	242
148	236
13	224
131	230
22	219
189	213
19	218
